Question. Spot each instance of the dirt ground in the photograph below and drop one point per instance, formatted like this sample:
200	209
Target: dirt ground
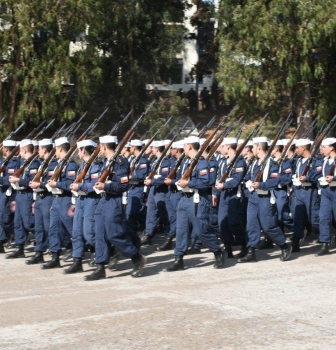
265	305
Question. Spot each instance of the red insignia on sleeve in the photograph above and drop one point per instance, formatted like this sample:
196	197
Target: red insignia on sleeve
142	166
94	176
33	171
164	170
288	171
11	171
274	175
203	172
50	173
212	170
239	170
319	168
71	173
124	179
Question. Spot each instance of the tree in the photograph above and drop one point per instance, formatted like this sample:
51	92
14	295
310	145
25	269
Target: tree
278	55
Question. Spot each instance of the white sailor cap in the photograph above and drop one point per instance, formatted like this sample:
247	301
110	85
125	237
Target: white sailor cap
281	143
202	140
167	142
158	143
260	139
46	142
128	145
26	142
240	141
61	141
144	142
35	143
249	143
328	141
229	141
108	139
9	143
178	144
85	143
136	143
302	142
192	139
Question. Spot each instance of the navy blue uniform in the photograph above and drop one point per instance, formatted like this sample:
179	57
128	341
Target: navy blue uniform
7	196
43	204
261	209
59	210
195	216
328	203
86	204
135	208
156	202
23	218
230	206
109	224
306	198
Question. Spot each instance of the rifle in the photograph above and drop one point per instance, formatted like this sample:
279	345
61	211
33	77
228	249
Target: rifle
120	123
121	145
171	132
30	135
207	126
240	130
159	160
143	150
72	149
240	150
285	150
19	171
148	131
58	132
269	152
317	143
273	128
13	133
43	130
310	128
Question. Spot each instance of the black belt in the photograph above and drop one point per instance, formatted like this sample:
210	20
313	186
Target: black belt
28	190
138	185
62	195
44	194
188	194
109	195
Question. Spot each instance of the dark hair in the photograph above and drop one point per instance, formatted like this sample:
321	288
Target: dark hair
65	146
334	146
196	145
138	148
249	147
264	146
10	148
234	146
161	149
292	147
307	147
89	149
280	148
48	147
111	146
30	148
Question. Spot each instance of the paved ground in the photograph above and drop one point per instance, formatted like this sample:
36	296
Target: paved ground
265	305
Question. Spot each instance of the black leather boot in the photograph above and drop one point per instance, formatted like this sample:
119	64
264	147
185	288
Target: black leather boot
243	252
146	239
325	249
177	265
266	244
249	257
36	259
92	262
75	267
138	265
167	245
220	257
54	262
112	265
228	249
17	253
98	274
296	245
67	255
2	249
286	250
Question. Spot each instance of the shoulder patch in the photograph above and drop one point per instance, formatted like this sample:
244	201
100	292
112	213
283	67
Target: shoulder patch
71	173
288	171
142	166
203	172
95	176
274	175
124	179
239	170
33	171
319	168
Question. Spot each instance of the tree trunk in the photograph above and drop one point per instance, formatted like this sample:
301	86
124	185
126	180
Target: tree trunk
13	91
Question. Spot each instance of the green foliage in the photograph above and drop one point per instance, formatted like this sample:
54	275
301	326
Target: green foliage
278	55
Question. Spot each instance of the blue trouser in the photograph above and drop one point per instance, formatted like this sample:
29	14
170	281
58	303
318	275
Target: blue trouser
135	208
60	230
261	214
327	213
84	225
282	203
195	217
6	216
306	208
42	220
172	201
110	229
23	217
230	217
156	209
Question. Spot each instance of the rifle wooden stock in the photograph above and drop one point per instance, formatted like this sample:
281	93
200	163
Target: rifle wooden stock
44	165
25	164
9	157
